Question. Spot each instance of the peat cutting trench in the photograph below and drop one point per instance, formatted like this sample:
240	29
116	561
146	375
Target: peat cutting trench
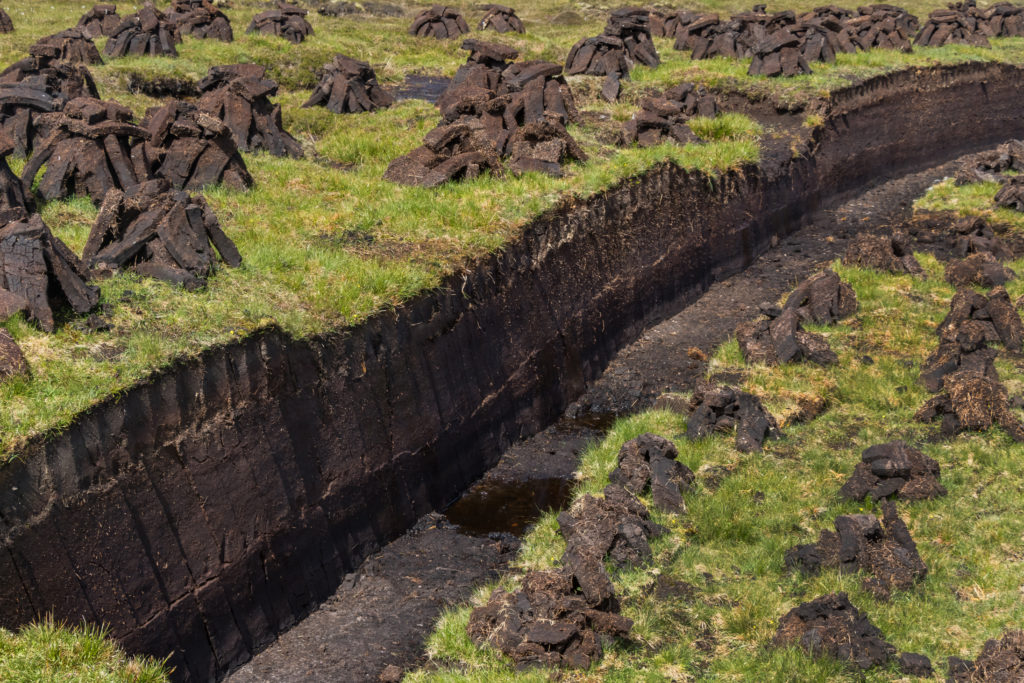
213	507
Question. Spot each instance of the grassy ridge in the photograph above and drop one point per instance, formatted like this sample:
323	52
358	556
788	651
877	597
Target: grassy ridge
730	545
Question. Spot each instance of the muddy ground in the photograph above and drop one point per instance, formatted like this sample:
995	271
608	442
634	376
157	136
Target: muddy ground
376	622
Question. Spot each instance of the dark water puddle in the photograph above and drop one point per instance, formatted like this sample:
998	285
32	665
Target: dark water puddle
427	88
508	506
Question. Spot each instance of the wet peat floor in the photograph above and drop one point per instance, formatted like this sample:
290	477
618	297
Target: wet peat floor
374	626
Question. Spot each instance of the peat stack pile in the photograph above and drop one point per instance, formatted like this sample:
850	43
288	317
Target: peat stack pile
664	118
101	20
190	148
12	192
348	86
86	149
200	19
831	625
1011	194
159	232
955	25
691	29
967	349
974	235
38	273
1000	661
981	269
481	75
993	315
889	253
722	409
893	470
822	39
20	103
239	95
6	25
991	167
439	22
1004	19
287	21
626	41
886	551
501	19
882	26
778	337
971	402
147	32
780	54
738	38
822	298
648	464
69	80
70	45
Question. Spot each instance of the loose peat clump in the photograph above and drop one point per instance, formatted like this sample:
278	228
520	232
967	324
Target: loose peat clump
980	268
287	21
779	338
831	625
200	19
86	149
822	298
156	231
239	94
664	117
147	32
101	20
349	86
889	253
1011	194
38	272
501	19
994	315
649	463
893	470
70	45
190	148
439	22
722	409
991	166
1000	661
971	402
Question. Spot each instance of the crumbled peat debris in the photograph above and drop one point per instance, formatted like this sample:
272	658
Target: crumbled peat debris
286	21
12	192
888	253
6	25
1011	194
439	22
147	32
38	272
981	269
893	470
70	45
556	618
958	24
648	463
831	625
626	41
967	351
1000	661
860	542
239	95
155	231
991	166
190	148
779	338
822	298
200	19
502	19
911	664
994	315
664	117
721	409
971	402
348	86
99	21
12	359
86	150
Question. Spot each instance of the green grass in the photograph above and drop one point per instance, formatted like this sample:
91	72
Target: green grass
325	241
971	539
46	652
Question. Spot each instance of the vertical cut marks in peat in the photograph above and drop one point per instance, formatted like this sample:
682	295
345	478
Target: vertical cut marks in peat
349	86
86	150
287	21
147	32
190	148
239	94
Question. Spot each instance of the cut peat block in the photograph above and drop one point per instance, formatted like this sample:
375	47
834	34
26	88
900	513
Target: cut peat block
882	26
956	25
70	45
664	117
147	32
501	19
101	20
190	148
831	625
349	86
626	41
239	94
70	80
38	272
287	21
12	192
159	232
20	103
439	22
86	150
200	19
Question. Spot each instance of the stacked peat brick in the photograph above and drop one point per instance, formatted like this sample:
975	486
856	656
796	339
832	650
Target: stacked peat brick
70	45
349	86
6	25
147	32
286	21
626	41
664	117
502	19
439	22
958	24
200	19
101	20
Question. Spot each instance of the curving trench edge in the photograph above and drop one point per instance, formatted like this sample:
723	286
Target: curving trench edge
210	508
